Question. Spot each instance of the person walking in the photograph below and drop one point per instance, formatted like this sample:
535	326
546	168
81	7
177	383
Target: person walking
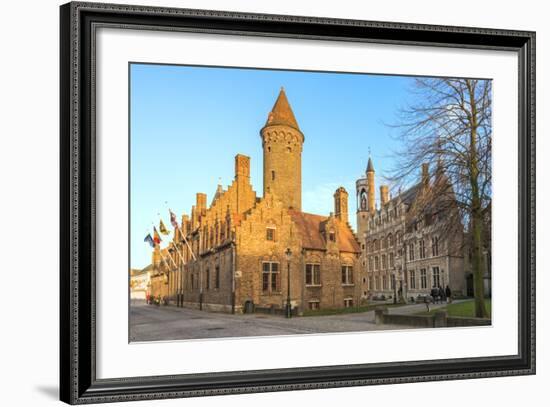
442	294
427	300
448	294
435	294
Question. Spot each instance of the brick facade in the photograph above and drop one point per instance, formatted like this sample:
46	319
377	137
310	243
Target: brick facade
231	256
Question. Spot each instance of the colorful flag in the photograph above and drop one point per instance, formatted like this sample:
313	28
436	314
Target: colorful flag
163	229
149	239
173	219
156	236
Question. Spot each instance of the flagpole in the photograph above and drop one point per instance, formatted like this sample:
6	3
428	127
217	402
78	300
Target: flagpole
172	260
165	262
179	253
183	236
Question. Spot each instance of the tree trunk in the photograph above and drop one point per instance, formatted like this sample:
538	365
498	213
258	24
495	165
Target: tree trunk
477	264
476	212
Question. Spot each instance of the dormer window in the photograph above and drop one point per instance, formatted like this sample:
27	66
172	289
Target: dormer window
332	236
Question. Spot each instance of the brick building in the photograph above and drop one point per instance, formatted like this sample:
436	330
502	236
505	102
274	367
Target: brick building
411	242
234	255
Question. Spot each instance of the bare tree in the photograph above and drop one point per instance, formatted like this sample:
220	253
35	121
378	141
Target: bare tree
449	123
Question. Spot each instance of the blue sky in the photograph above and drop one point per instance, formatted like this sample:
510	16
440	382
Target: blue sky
188	123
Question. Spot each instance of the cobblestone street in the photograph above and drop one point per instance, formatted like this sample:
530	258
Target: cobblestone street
152	323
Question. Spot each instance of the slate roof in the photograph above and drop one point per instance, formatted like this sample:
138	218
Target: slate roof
310	229
281	113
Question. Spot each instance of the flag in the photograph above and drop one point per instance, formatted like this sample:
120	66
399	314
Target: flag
156	236
163	229
173	219
149	239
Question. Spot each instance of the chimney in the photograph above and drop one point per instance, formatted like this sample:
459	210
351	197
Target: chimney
185	224
341	204
384	195
194	218
242	166
201	203
425	174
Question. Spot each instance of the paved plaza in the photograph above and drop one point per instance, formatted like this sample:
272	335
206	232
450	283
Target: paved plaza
153	323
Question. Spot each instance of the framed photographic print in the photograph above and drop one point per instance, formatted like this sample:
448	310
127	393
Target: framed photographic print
263	203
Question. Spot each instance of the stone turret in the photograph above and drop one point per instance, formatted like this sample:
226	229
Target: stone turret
282	143
371	199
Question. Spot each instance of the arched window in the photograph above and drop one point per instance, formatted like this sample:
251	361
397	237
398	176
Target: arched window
363	200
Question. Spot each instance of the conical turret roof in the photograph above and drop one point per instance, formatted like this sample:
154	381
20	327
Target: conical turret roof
370	167
281	113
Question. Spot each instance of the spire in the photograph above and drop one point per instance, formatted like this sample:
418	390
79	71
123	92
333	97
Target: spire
281	113
370	167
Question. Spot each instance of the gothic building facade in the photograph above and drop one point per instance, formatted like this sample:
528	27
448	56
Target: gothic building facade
412	242
245	252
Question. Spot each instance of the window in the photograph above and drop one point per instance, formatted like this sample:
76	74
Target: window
390	240
270	234
208	279
435	246
313	274
423	279
435	275
217	278
384	243
370	263
411	251
348	302
270	277
377	245
421	249
376	262
384	282
272	175
371	283
392	259
332	236
378	283
384	262
347	275
313	305
412	278
393	281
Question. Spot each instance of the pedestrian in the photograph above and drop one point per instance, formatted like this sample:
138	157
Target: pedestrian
427	300
435	294
448	294
442	294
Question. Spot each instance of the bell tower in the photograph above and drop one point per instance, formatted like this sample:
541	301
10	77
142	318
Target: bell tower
282	142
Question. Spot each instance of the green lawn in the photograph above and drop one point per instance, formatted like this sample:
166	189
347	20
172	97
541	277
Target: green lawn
461	309
350	310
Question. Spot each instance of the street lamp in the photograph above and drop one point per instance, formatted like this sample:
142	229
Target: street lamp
288	254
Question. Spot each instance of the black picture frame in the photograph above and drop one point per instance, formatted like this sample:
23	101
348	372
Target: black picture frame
78	382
